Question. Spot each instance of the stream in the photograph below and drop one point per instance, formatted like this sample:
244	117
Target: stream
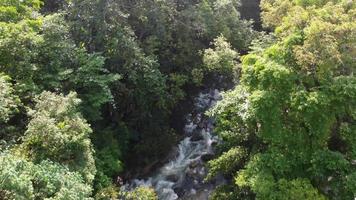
183	176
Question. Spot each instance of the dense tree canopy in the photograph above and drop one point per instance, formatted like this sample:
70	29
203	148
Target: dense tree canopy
89	91
57	132
89	87
293	115
21	179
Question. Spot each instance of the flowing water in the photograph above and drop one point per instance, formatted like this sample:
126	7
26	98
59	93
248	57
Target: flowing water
183	176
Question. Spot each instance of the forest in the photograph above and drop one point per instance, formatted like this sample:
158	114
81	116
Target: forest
177	99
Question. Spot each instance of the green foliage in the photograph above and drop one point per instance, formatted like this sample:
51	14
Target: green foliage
141	98
57	132
176	31
18	48
29	51
8	101
231	192
130	63
140	193
283	189
75	69
259	178
294	110
234	125
10	106
108	193
222	17
222	58
108	154
227	162
12	11
20	179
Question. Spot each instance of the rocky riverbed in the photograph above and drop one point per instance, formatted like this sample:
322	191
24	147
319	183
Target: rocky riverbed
183	176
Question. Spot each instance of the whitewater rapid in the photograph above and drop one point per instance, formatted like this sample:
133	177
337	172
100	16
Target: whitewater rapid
183	176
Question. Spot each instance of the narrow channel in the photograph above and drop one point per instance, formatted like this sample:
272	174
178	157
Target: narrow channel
183	176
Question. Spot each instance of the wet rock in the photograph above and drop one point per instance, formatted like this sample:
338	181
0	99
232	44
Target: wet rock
191	174
193	165
173	178
190	128
149	168
207	156
179	191
193	191
197	136
187	184
214	143
173	154
119	181
197	118
196	182
202	125
202	172
191	133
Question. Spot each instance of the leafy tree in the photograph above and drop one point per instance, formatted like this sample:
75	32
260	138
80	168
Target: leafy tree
21	179
19	42
226	163
13	11
130	62
75	69
222	58
141	97
57	132
8	100
294	103
142	193
30	42
108	193
109	149
10	105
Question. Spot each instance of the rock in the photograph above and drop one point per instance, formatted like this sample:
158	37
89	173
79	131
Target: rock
149	168
197	118
207	156
190	128
173	154
196	136
173	178
179	191
193	165
201	125
214	143
202	172
219	179
119	181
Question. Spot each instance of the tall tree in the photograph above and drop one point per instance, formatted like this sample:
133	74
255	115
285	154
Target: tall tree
58	132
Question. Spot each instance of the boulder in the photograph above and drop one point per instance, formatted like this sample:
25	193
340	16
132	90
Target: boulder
214	143
172	178
179	191
207	156
196	136
194	164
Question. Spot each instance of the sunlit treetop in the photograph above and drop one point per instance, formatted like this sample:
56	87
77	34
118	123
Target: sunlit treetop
15	10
